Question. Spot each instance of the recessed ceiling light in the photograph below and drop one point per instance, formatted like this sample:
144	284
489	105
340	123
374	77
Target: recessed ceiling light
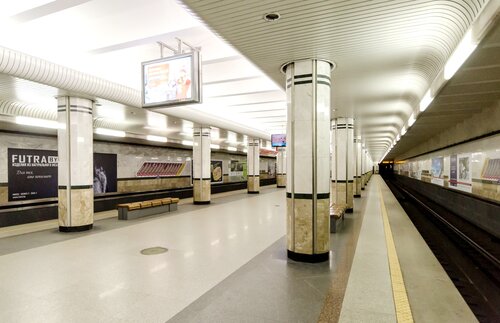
273	16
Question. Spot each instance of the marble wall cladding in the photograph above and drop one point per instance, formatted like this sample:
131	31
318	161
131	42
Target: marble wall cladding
131	157
350	195
226	158
487	190
322	243
289	225
303	226
357	183
201	190
4	194
478	152
253	184
281	180
82	208
363	180
152	184
338	193
63	215
264	176
480	124
129	160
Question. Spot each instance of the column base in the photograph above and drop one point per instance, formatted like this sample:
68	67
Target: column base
362	188
76	229
279	186
301	257
253	192
201	202
357	195
349	210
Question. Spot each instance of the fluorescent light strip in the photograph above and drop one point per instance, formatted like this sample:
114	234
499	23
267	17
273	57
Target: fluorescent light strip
403	131
411	120
460	55
156	138
232	148
214	146
35	122
426	100
187	142
110	132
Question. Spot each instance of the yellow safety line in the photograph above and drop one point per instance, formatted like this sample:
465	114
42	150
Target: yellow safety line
403	310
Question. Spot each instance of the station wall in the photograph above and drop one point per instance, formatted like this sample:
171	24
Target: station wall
130	158
472	167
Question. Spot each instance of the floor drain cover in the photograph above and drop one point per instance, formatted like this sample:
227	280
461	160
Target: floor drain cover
153	251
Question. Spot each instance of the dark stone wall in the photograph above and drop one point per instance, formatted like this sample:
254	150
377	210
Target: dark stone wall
483	213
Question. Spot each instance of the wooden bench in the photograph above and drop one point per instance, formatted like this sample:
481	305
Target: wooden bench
129	211
337	212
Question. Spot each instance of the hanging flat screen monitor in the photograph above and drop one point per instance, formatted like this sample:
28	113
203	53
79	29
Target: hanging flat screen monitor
278	140
171	80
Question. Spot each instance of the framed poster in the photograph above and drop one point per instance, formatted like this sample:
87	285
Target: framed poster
105	173
437	171
32	174
216	171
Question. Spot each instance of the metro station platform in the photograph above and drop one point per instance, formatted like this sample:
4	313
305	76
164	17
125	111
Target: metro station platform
227	262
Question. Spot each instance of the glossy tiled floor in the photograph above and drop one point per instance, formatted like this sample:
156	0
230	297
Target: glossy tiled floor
103	277
226	263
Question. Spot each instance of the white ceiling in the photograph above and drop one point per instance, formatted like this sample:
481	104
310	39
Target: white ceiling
387	55
387	52
110	39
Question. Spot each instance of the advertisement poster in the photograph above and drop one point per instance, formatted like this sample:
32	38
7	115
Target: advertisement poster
216	171
460	172
413	170
104	173
437	170
420	166
453	171
416	171
32	174
237	171
464	173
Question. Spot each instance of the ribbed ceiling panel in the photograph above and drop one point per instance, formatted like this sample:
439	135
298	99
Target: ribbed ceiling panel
403	44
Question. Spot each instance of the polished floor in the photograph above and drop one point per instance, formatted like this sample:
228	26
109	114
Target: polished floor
226	262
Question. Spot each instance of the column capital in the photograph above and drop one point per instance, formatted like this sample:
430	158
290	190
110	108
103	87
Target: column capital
287	64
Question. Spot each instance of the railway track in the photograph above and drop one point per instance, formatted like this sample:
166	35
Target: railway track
468	254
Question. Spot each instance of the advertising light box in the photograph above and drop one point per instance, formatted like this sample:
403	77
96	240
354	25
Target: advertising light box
278	140
171	80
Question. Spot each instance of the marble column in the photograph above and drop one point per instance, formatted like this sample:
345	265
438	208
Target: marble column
281	167
363	168
201	165
308	193
343	163
75	170
370	167
253	166
357	177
